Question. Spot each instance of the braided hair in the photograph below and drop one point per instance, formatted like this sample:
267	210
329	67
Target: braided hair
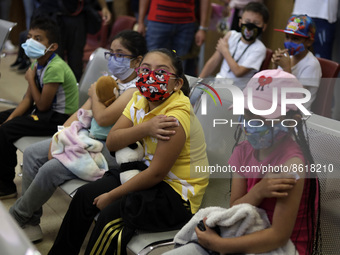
312	213
312	182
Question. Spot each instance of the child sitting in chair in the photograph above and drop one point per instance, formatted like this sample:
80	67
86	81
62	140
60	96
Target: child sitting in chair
107	92
296	58
77	146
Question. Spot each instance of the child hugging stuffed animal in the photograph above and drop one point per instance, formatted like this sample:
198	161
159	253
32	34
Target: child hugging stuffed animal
130	160
77	146
107	91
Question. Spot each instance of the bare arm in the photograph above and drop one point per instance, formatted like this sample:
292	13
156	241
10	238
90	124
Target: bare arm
268	187
285	213
223	48
272	185
204	21
106	116
73	117
68	122
213	61
124	133
105	11
281	58
211	65
23	106
143	9
165	156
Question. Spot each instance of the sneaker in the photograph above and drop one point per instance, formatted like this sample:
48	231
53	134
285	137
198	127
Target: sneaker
24	66
9	47
33	233
8	193
16	64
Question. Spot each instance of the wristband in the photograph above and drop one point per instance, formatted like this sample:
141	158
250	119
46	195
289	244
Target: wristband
203	28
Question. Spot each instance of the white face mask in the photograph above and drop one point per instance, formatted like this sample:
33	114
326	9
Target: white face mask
120	67
34	49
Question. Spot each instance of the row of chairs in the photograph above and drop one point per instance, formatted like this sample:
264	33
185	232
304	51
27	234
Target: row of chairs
321	136
324	135
5	29
321	106
323	102
324	139
218	189
330	69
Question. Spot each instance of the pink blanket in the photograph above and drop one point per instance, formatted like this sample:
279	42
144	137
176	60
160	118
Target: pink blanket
78	152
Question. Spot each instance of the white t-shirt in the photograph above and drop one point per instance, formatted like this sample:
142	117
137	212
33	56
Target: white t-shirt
124	86
308	72
252	57
322	9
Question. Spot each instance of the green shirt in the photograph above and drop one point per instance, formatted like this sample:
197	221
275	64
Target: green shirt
57	70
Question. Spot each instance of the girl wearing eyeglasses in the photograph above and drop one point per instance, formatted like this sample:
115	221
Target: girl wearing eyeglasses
42	174
168	192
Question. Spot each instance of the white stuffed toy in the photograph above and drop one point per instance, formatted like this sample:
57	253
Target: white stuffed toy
130	160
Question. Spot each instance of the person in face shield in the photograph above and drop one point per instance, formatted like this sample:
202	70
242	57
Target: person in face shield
51	97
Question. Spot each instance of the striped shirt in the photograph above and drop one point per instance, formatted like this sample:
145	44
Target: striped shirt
172	11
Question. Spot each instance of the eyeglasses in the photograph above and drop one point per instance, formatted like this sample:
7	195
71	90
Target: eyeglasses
157	72
119	57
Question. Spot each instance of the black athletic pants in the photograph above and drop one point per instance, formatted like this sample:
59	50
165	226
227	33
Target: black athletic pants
157	209
42	124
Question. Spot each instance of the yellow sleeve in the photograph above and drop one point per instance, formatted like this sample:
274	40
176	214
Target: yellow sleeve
127	110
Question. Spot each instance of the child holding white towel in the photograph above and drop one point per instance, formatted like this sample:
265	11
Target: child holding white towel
290	200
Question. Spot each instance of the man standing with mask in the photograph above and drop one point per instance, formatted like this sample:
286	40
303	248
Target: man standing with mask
242	53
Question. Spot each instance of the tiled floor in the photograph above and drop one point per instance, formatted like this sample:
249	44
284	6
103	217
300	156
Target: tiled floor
13	87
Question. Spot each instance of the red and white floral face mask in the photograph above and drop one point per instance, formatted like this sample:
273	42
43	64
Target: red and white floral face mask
153	84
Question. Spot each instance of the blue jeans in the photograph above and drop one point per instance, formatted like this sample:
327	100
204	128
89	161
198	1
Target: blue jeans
41	177
178	37
30	6
324	38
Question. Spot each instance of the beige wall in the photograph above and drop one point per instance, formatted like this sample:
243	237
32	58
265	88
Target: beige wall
280	11
211	40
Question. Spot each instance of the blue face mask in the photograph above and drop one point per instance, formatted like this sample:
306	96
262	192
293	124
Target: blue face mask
294	48
120	67
34	49
263	137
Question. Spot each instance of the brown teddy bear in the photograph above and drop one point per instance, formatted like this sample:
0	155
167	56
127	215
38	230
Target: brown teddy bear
107	90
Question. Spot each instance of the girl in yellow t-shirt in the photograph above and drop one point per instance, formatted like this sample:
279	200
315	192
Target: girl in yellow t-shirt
165	195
